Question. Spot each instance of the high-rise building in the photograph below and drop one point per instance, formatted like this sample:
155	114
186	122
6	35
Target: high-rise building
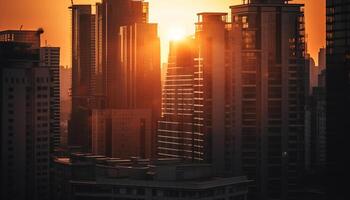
195	121
83	66
111	15
114	64
338	94
127	75
25	119
211	91
175	129
50	58
140	78
269	96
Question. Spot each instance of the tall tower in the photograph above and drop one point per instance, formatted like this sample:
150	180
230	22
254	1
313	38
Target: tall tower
50	58
196	124
127	69
140	84
175	136
83	65
338	94
211	90
269	96
111	15
25	120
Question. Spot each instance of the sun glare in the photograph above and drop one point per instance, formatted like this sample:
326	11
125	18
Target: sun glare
176	33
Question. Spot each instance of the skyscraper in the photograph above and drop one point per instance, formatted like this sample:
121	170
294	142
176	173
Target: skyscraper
111	15
113	64
83	65
175	136
25	118
196	97
50	58
269	96
212	91
140	78
338	94
122	133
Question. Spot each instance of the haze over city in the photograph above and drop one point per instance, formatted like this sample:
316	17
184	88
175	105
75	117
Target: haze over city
176	16
174	99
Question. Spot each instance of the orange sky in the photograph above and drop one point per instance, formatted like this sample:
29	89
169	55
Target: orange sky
54	17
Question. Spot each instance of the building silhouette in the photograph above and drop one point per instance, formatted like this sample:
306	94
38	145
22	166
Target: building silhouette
26	95
269	96
338	94
195	96
83	65
122	133
111	15
112	66
249	89
50	58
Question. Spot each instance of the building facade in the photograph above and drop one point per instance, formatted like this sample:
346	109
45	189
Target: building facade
124	59
83	66
50	58
122	133
195	125
269	96
249	85
25	121
175	129
338	93
111	15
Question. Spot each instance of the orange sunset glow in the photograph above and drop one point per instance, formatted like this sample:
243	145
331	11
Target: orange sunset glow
174	17
174	99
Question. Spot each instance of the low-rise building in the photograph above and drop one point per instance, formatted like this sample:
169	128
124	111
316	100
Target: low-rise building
85	176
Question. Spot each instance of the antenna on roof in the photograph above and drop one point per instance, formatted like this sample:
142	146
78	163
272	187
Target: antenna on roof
20	28
71	1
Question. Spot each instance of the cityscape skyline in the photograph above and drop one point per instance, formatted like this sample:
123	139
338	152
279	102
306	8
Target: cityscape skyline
174	100
179	12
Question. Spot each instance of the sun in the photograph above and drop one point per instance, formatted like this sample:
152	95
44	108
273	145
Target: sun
176	33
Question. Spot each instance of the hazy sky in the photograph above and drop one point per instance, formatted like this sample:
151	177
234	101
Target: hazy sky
54	17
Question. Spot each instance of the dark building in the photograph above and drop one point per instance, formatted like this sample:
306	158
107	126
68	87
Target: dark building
269	96
338	95
111	15
127	74
113	65
195	95
25	90
212	98
50	58
83	65
140	78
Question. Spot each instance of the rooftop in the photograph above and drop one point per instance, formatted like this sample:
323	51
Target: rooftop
192	184
146	172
